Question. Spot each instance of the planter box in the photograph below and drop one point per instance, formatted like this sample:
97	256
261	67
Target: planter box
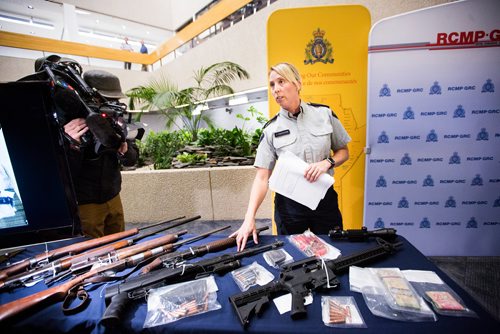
213	193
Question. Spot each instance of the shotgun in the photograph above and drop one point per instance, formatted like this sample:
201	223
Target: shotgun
70	249
132	250
58	293
62	267
173	259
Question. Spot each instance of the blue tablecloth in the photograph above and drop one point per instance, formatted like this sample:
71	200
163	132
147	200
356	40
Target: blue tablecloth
50	318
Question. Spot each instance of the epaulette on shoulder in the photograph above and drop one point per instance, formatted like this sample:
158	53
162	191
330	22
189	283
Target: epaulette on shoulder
270	121
322	105
318	105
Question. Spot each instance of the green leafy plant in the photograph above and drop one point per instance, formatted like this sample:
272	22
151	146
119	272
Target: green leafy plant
254	113
160	148
184	108
191	158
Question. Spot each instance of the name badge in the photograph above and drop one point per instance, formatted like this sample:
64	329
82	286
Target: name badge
282	133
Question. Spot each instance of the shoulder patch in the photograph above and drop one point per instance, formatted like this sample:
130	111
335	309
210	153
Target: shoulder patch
322	105
270	121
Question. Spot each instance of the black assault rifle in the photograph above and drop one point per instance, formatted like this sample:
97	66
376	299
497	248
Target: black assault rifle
118	296
388	234
300	278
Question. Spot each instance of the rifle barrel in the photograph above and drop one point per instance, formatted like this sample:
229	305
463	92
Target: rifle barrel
59	292
163	228
192	252
160	223
14	276
82	246
70	249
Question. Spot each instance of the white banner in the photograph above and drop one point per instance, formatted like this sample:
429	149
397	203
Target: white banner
433	134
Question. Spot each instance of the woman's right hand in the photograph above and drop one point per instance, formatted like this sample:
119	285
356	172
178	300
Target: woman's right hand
76	128
246	229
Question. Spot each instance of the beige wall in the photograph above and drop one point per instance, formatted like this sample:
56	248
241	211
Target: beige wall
244	43
213	193
220	193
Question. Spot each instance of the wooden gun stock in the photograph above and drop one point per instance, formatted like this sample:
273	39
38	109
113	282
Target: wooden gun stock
70	249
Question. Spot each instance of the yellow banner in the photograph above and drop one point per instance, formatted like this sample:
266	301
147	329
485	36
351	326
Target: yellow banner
329	46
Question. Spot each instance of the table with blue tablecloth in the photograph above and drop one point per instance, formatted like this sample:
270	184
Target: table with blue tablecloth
50	318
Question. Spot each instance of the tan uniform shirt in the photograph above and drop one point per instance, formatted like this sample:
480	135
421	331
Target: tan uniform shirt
310	136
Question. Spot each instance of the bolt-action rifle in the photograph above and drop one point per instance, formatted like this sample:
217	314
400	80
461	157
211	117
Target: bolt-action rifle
300	278
119	296
388	234
67	265
59	292
173	259
76	248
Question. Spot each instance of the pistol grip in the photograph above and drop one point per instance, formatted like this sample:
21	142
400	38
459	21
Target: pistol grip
115	309
298	308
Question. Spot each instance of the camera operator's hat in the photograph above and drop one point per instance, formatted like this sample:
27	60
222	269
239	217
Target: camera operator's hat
107	84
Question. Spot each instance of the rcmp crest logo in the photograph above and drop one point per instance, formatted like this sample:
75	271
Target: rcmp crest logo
319	49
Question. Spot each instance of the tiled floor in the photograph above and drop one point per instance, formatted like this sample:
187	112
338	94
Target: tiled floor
479	276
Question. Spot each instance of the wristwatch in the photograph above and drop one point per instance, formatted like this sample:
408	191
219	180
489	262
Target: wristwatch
331	161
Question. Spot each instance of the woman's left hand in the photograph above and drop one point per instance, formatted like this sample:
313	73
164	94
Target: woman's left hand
314	170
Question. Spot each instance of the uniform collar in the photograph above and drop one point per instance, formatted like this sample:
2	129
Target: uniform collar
289	115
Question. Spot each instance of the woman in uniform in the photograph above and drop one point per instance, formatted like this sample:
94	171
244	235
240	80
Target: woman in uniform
311	132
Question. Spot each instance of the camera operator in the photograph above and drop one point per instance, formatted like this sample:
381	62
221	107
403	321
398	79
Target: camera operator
95	168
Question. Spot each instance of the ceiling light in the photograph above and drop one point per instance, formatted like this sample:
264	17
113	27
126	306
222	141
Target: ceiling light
238	100
31	22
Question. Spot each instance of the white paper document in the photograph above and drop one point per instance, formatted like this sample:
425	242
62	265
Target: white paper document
288	180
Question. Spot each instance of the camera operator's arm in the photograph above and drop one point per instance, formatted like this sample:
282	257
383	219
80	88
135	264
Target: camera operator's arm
128	153
75	129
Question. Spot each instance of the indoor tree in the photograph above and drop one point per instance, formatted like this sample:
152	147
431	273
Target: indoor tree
184	108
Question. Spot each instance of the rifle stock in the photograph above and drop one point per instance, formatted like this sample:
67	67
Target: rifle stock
77	248
70	249
68	264
42	298
59	292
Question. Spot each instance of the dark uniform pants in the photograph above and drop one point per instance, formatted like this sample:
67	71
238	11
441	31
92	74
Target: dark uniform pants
293	218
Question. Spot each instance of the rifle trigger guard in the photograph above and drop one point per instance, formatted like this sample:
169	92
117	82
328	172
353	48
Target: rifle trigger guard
76	292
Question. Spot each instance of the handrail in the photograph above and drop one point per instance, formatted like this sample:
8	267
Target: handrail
29	42
218	12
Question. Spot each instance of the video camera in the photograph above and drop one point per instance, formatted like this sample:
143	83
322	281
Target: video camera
74	98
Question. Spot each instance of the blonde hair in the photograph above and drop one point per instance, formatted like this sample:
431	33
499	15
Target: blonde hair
288	72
